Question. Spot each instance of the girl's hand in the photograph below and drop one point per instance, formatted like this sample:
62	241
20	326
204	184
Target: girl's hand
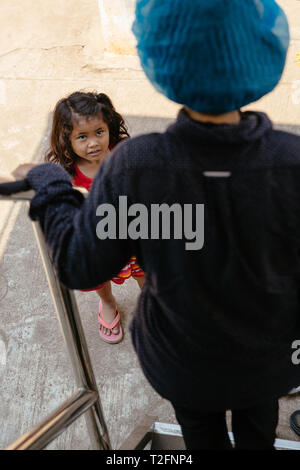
21	171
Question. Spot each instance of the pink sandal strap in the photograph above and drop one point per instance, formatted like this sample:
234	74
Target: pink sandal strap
109	326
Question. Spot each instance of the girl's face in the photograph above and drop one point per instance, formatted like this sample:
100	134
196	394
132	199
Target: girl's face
90	138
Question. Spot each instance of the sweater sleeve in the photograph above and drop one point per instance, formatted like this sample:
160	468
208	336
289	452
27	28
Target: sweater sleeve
69	222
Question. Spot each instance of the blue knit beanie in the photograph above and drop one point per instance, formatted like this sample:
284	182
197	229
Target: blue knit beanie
214	56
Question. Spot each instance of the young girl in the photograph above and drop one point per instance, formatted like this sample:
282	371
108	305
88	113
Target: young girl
86	127
214	328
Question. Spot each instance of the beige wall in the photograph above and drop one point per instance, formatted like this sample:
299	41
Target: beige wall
116	20
47	49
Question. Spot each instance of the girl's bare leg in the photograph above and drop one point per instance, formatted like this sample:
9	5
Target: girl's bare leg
109	306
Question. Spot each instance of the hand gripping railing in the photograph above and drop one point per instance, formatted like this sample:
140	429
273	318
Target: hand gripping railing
86	399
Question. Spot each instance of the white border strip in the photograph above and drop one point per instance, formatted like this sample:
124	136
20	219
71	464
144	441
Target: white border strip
217	174
175	430
166	428
289	445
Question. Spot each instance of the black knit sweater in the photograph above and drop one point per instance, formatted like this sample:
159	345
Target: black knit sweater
213	328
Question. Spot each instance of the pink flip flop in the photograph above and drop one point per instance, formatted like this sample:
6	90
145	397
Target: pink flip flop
112	338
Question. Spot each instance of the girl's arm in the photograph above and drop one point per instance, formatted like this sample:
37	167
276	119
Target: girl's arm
69	222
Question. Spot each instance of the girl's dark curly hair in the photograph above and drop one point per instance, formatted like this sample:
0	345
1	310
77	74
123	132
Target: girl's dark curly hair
65	112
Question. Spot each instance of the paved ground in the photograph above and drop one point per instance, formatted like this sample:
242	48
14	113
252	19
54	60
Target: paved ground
49	49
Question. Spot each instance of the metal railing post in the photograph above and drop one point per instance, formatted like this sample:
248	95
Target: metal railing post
71	327
86	399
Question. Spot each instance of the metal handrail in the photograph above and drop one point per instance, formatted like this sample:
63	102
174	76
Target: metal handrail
86	399
40	436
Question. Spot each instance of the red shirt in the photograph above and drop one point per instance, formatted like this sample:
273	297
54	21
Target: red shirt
79	179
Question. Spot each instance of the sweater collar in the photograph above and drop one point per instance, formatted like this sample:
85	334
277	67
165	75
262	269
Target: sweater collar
253	126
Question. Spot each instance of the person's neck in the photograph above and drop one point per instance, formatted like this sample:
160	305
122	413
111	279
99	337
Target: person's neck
232	117
89	169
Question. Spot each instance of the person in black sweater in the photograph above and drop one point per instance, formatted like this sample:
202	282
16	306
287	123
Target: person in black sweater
218	317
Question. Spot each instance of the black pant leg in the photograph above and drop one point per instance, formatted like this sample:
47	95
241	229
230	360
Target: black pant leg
255	428
203	431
